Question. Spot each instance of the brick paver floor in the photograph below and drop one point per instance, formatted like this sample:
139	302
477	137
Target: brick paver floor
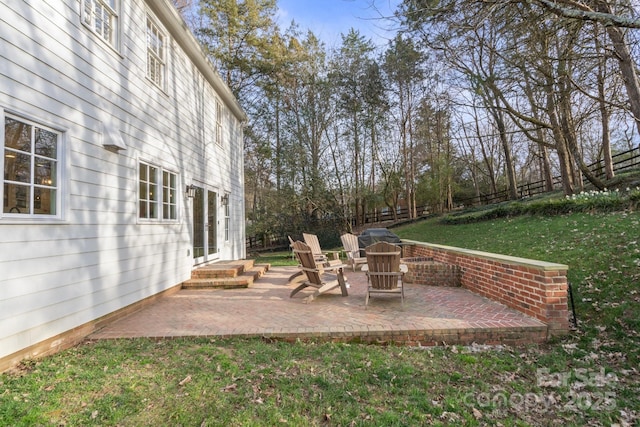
431	315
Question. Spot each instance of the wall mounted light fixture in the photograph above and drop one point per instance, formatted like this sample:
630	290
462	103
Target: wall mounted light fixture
225	199
190	191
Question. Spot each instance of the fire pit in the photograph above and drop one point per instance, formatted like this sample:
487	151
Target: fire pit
374	235
426	271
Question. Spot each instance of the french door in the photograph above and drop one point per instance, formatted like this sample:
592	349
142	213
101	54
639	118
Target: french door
205	225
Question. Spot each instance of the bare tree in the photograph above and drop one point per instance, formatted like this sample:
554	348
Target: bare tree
601	11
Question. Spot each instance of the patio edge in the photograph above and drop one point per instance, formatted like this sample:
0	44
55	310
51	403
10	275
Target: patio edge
536	288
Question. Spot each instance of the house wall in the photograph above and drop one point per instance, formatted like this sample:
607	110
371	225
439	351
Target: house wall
60	275
536	288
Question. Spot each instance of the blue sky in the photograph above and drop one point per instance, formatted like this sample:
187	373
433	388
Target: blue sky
328	18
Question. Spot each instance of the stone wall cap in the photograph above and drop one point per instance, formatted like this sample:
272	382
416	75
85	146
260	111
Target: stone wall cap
543	265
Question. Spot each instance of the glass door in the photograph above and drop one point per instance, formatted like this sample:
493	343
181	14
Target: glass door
205	225
212	224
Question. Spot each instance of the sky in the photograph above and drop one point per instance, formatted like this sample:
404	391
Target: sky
327	19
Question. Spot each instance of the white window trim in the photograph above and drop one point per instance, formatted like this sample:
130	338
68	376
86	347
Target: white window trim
163	60
160	201
218	122
227	219
117	36
175	202
61	192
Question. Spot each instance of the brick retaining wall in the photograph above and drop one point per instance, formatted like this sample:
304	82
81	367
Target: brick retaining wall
426	271
536	288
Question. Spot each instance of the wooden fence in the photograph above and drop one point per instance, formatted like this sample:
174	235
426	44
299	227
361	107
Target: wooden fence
621	162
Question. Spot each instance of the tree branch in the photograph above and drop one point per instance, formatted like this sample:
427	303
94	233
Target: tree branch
576	10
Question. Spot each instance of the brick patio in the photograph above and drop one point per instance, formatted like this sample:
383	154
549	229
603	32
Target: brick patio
431	315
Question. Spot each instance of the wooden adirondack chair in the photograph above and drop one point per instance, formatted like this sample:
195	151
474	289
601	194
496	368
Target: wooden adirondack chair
293	255
317	275
298	274
321	258
383	270
350	244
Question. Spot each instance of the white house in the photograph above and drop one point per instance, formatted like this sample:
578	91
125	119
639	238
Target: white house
122	165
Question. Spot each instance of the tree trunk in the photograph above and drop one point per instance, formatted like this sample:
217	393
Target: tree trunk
569	132
606	142
406	166
506	149
278	156
356	170
566	171
577	157
547	175
626	63
605	114
486	159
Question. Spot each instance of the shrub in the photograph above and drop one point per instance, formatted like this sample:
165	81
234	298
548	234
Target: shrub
551	207
588	201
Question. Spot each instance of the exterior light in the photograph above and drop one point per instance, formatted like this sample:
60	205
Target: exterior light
190	191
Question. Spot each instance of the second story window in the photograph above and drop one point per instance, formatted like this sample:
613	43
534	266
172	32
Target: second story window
101	17
156	54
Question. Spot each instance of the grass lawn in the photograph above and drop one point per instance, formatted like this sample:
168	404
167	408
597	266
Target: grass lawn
588	378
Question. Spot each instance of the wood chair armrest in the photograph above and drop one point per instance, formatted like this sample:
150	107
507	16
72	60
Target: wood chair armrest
335	267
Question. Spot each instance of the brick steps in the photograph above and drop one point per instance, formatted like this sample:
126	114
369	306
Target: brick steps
226	275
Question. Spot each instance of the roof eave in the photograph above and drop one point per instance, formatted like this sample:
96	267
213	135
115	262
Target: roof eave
173	22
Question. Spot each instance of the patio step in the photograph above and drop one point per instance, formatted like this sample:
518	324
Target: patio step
222	269
226	275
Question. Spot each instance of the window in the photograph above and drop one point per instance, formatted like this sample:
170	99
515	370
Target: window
218	122
155	54
101	17
169	199
31	169
148	191
154	203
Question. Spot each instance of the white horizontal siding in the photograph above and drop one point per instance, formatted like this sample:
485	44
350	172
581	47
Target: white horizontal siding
100	282
49	254
102	272
57	275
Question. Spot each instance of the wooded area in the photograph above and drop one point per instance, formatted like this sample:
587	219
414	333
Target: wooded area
469	98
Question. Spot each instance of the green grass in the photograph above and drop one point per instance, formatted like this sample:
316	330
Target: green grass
601	250
276	259
552	204
587	378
